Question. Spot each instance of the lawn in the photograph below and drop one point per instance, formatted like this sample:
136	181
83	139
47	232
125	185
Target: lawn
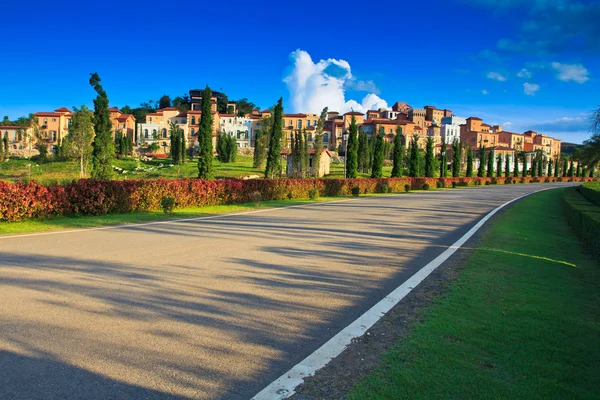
59	223
522	321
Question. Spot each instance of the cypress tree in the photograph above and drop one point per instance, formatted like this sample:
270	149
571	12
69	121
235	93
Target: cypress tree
414	167
429	157
103	146
5	141
363	153
305	155
456	158
1	150
556	167
295	155
175	143
482	161
507	166
517	156
469	173
540	164
257	159
205	146
273	155
398	153
571	170
443	159
352	150
377	170
564	167
319	143
490	164
524	164
499	162
183	147
534	168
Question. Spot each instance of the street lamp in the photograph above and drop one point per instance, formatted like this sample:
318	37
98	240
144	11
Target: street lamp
345	140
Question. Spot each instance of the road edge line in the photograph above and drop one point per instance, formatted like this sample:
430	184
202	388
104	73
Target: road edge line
284	386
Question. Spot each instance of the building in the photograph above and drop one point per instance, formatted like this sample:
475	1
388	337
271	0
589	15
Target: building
324	166
450	128
475	134
54	126
123	123
242	128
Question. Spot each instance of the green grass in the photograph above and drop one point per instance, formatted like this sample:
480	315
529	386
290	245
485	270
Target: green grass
521	322
17	170
58	223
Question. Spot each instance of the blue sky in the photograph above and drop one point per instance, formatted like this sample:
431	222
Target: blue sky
523	64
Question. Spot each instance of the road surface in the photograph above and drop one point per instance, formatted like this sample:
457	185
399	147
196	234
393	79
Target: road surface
210	309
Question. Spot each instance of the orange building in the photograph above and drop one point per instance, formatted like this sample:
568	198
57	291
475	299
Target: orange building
54	126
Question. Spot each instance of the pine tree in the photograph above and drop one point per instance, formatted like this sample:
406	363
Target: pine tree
305	155
205	146
443	159
490	163
542	166
398	153
564	167
273	155
183	147
550	162
482	161
316	167
469	172
578	170
261	143
524	164
556	167
175	143
517	156
352	150
499	162
103	146
429	157
363	152
414	167
377	170
507	166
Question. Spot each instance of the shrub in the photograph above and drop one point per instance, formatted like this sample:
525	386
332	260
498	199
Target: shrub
256	197
494	181
522	180
454	184
477	182
591	192
547	180
426	186
439	184
313	193
384	188
356	191
167	204
559	179
407	188
584	218
514	181
487	183
507	182
290	195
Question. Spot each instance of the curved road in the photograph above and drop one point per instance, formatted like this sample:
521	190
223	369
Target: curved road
214	308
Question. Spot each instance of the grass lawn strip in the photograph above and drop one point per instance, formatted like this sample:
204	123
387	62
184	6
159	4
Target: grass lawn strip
522	320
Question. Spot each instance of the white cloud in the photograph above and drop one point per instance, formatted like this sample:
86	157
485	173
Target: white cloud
530	88
496	76
507	124
313	86
484	91
524	73
363	86
571	72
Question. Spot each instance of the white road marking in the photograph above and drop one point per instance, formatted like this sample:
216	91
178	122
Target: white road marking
285	385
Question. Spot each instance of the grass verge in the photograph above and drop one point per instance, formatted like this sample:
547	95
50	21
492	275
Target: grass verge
522	320
58	223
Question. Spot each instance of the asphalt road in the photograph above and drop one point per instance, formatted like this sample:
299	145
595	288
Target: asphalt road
210	309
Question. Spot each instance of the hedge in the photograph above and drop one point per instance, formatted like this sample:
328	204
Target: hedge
584	218
93	197
591	191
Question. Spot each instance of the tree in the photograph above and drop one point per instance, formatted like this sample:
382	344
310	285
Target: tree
571	169
429	157
182	103
507	166
469	173
363	152
524	164
261	142
1	149
222	102
352	150
456	158
164	102
175	132
205	147
103	146
578	170
564	167
245	107
80	137
274	155
542	165
414	167
305	155
377	170
226	147
517	156
481	169
443	159
318	146
183	147
556	167
499	162
490	163
398	153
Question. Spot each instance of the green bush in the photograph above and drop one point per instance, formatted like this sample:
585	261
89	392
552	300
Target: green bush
167	204
313	193
584	218
591	191
426	186
384	188
440	184
454	184
507	182
407	188
494	181
355	191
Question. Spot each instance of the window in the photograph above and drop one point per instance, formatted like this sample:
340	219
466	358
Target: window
192	132
153	133
53	133
193	120
315	122
325	137
299	125
291	123
164	132
53	119
146	133
150	119
307	123
45	121
183	121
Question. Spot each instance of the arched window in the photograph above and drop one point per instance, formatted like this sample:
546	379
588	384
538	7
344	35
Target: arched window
192	132
153	133
146	133
193	120
150	119
291	123
325	137
45	121
164	132
299	124
307	123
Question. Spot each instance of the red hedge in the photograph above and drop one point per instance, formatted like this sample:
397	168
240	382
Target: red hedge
21	201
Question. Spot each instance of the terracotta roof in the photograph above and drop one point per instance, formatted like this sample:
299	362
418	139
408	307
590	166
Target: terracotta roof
111	109
228	115
182	115
418	128
294	115
502	148
384	121
9	127
486	125
168	109
47	114
62	109
478	119
124	117
353	113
